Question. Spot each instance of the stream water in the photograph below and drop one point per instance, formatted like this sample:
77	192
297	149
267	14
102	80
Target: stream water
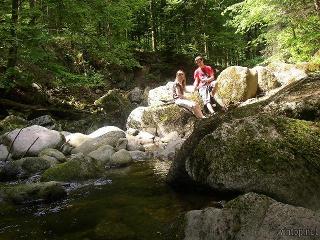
131	203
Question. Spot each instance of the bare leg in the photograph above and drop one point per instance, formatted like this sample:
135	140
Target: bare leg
210	107
213	91
197	112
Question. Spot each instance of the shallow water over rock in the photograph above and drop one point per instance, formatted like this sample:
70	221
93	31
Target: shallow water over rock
131	203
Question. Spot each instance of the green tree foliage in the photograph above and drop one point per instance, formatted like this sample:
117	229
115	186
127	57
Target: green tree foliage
65	42
288	30
81	42
190	28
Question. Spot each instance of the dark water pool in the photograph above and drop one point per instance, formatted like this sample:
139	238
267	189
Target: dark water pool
131	203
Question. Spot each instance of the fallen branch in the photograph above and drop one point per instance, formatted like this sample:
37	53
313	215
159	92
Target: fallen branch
25	107
29	147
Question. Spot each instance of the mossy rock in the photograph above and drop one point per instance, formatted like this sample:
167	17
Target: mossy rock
277	156
164	118
237	84
109	230
298	100
24	167
21	193
54	153
11	170
266	79
171	118
12	122
287	73
121	158
35	164
140	118
79	167
251	216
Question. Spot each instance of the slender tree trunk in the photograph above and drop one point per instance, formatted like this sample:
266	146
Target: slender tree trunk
317	5
153	26
32	4
13	50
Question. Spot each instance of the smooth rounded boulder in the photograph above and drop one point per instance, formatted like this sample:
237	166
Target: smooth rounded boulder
287	73
54	154
102	154
165	119
109	138
78	167
298	100
266	79
30	141
237	84
104	130
250	216
121	158
26	193
276	156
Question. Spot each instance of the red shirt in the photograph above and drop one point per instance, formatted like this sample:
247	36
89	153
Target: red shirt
201	73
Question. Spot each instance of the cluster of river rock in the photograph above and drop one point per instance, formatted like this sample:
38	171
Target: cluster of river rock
268	148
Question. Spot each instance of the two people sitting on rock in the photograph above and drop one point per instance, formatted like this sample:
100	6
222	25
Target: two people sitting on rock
204	82
179	88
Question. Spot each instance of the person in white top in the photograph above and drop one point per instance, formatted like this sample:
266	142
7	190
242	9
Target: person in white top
179	88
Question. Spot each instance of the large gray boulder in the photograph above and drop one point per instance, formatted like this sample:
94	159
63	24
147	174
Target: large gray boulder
138	119
160	95
134	143
287	73
277	156
298	100
121	158
76	139
165	119
54	154
236	84
169	152
251	217
45	121
109	138
102	154
266	79
4	153
32	140
104	130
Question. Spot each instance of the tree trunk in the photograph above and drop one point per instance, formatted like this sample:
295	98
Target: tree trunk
317	5
32	4
153	26
13	50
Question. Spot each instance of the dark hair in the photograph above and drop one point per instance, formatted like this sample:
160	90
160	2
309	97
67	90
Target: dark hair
198	58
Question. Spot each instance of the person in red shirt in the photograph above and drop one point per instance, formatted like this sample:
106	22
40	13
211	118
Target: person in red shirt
204	82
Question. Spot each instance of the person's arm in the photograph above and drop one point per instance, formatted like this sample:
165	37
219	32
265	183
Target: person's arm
179	92
196	82
210	73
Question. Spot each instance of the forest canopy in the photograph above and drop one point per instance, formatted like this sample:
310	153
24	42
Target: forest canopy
80	42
